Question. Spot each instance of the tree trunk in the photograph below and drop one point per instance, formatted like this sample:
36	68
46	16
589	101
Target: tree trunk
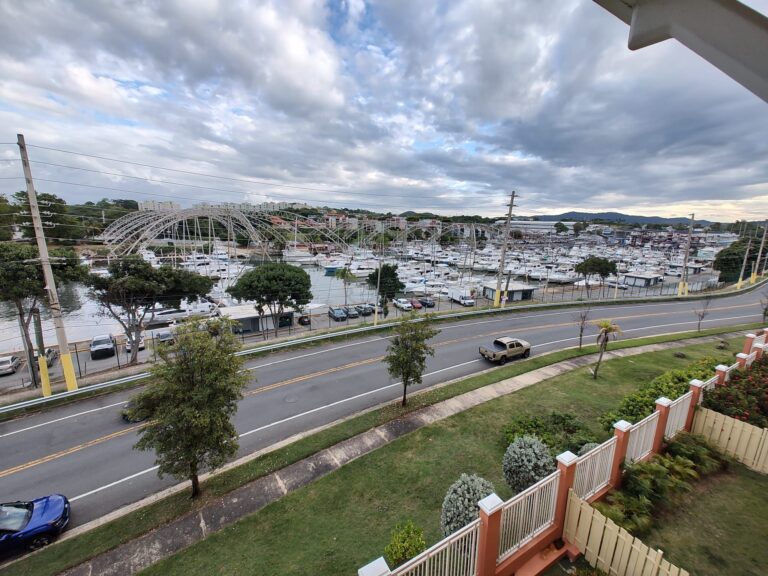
136	338
405	387
24	328
603	345
581	336
195	480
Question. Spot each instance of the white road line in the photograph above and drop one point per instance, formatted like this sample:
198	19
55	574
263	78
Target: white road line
292	358
112	484
63	418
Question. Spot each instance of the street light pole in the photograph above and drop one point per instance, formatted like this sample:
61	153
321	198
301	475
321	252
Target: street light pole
500	273
682	287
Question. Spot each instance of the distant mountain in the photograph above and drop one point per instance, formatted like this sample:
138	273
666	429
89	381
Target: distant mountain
618	217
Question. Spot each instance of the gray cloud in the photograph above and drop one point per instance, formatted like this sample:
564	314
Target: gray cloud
393	104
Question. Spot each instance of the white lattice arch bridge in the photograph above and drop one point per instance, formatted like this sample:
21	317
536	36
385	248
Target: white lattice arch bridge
137	230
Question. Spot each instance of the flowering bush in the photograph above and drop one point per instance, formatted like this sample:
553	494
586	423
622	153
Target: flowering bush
460	503
744	397
526	461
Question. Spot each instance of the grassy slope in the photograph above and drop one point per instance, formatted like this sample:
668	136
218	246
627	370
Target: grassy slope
343	521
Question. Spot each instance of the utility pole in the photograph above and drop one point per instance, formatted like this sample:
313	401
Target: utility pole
682	287
753	277
378	286
50	283
744	264
500	273
42	359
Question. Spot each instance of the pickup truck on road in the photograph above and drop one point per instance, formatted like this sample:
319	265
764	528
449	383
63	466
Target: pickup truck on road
506	348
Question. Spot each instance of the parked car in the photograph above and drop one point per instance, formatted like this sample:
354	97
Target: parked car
304	320
32	525
427	302
619	285
364	309
351	312
376	307
9	364
416	305
51	354
165	337
337	314
402	303
506	348
128	344
102	346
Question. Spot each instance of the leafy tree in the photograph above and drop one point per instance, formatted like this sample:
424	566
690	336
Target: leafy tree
607	331
408	350
390	283
729	261
133	288
407	541
578	228
595	265
346	276
560	228
53	211
6	219
21	277
192	398
276	286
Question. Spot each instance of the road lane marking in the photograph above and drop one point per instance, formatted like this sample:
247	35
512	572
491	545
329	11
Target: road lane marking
338	402
63	418
72	450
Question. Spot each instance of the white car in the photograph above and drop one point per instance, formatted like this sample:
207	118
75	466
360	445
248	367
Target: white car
402	303
9	364
128	344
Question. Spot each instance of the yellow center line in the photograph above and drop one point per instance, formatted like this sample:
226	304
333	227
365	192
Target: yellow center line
68	451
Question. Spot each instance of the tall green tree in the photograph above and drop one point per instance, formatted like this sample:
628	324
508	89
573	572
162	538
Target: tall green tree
560	228
346	276
730	260
407	352
191	400
133	288
275	286
390	283
6	219
58	223
607	331
21	277
594	265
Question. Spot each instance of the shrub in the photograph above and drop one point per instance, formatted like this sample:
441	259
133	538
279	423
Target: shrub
672	384
587	447
559	431
696	449
406	542
744	397
526	461
460	503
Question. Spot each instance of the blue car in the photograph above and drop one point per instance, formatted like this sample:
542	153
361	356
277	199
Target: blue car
32	525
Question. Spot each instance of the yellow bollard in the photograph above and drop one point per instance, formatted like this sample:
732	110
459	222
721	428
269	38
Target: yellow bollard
69	371
45	380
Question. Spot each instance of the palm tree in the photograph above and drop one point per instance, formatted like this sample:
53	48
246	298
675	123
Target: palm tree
346	276
607	331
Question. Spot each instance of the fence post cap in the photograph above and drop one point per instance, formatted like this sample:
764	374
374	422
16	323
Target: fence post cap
490	503
741	355
721	367
697	383
750	335
623	425
567	458
376	568
663	401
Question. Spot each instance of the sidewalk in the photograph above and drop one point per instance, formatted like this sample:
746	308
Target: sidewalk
138	554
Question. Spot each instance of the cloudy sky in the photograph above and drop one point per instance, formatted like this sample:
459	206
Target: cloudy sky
385	105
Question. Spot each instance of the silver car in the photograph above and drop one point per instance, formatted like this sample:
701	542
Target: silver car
9	364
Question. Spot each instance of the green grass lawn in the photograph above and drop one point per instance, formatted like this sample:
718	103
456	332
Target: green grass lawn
720	528
343	520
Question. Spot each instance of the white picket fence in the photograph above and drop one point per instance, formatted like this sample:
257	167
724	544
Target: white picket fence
731	369
593	469
641	438
456	555
528	514
759	340
751	357
708	385
678	414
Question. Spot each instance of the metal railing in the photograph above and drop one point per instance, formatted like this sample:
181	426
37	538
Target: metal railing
641	438
751	357
708	385
678	413
528	514
455	555
731	369
593	469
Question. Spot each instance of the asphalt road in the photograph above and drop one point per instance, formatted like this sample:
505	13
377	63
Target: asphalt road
84	450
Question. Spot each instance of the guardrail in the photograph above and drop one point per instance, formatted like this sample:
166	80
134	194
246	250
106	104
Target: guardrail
353	331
